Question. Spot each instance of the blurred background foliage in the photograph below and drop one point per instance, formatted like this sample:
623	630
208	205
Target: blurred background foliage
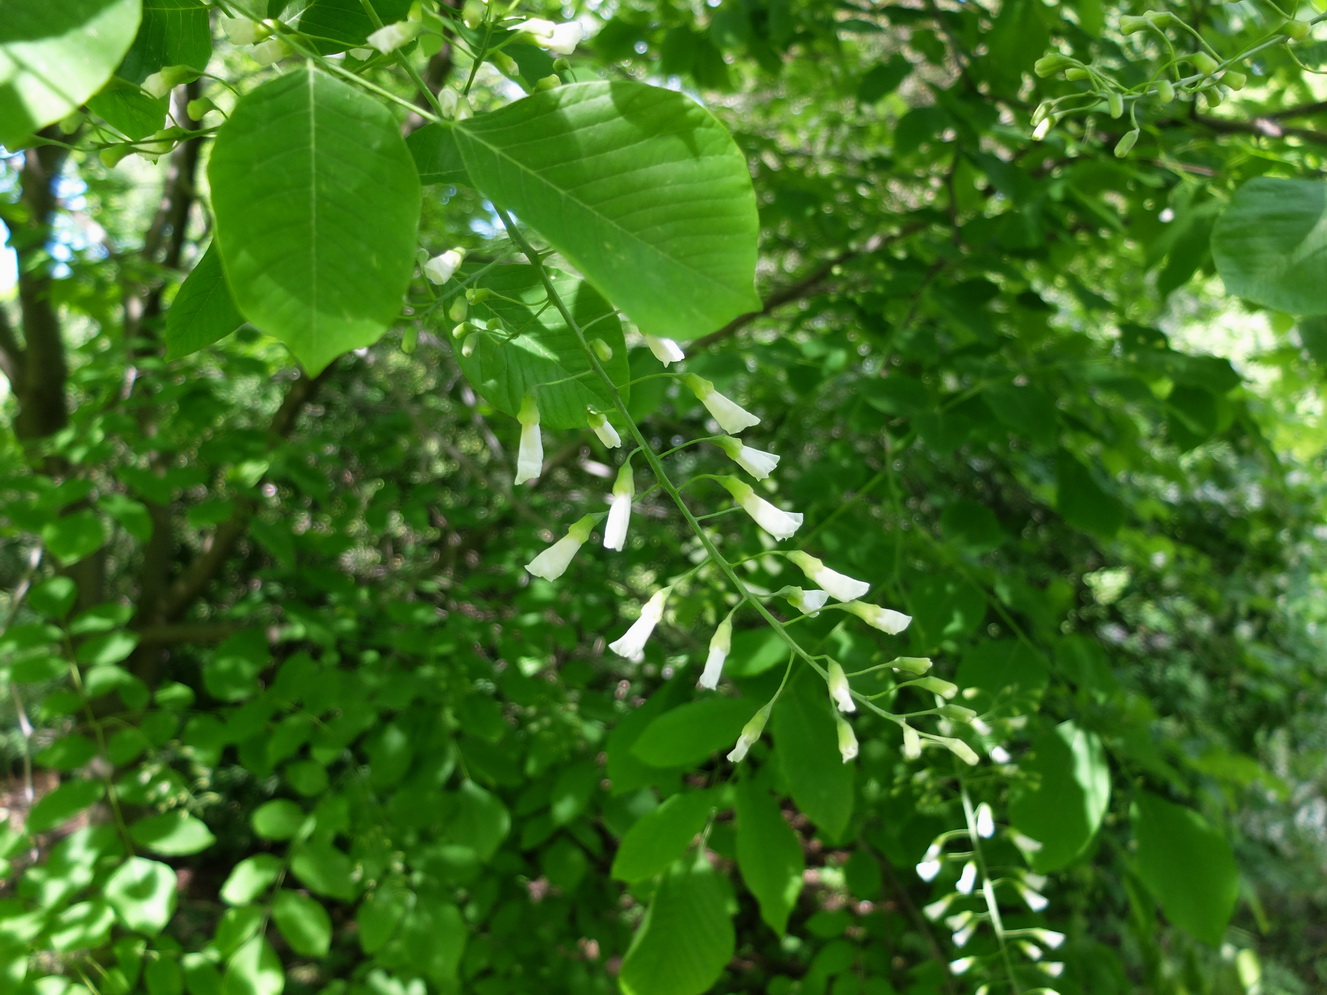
1008	390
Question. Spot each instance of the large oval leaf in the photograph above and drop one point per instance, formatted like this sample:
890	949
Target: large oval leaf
1062	803
686	938
317	205
641	188
660	837
1270	245
1187	866
53	56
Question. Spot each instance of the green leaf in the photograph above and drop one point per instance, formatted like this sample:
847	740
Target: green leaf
1270	245
335	25
691	733
1082	501
639	187
128	109
103	650
806	744
174	834
1027	410
203	311
324	869
142	892
53	598
659	838
686	938
542	348
769	855
1187	865
62	804
132	515
380	914
173	33
480	820
250	878
437	156
279	819
54	56
1065	796
255	969
303	922
317	204
74	537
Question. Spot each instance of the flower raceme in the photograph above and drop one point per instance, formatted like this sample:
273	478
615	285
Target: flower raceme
720	643
777	522
840	586
756	462
730	415
632	643
530	453
552	563
619	508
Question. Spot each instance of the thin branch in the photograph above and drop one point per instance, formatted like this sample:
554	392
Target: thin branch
805	286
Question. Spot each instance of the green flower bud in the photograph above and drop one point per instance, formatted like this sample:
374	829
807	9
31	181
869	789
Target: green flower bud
1234	80
410	339
477	295
1297	30
1165	91
1214	96
1160	18
1126	144
1204	63
1077	73
459	310
1115	103
550	82
1130	24
505	64
602	350
1049	64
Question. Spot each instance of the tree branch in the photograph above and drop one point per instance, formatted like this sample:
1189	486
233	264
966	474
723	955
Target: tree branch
805	286
12	360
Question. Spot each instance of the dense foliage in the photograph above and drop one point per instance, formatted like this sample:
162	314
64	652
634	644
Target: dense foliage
302	693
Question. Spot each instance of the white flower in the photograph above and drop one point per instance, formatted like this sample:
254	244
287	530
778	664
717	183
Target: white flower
1048	938
959	749
665	351
847	739
267	52
750	733
806	602
720	643
1000	755
961	965
552	563
885	619
985	821
731	416
911	664
1035	900
606	432
440	268
936	685
756	462
619	508
928	869
839	690
241	30
968	879
777	522
392	36
839	586
937	908
912	743
559	39
632	643
530	454
448	102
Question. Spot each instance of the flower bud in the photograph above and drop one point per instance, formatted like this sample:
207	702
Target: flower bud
1165	91
504	63
847	739
601	349
1297	30
410	339
549	82
1234	80
1131	24
1160	18
1114	103
750	733
839	689
1203	62
1049	64
1076	73
1126	144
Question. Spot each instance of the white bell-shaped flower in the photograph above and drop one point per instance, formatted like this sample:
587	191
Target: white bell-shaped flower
806	602
885	619
750	733
530	453
604	430
390	37
777	522
552	563
839	689
632	643
619	508
756	462
730	415
440	268
665	351
720	644
840	586
847	739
